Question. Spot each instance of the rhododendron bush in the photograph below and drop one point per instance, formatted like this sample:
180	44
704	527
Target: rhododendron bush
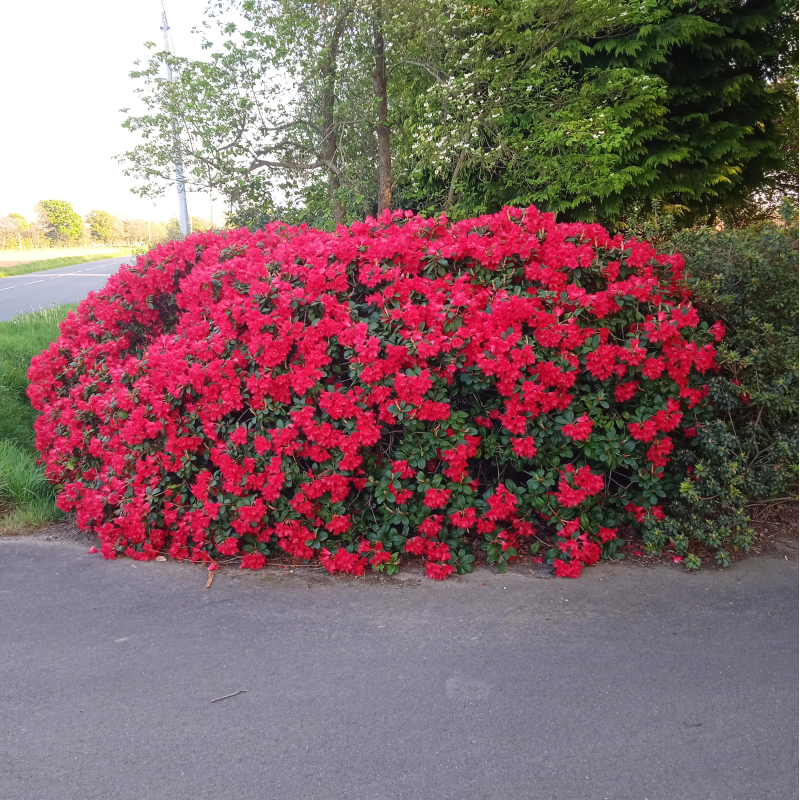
401	387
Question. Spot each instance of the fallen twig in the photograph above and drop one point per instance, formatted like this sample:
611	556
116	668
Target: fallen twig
225	697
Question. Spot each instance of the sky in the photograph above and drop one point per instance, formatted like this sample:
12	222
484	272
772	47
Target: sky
65	77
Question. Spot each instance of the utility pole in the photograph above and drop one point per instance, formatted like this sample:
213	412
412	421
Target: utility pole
183	213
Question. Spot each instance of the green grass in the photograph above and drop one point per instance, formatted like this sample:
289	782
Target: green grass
64	261
26	498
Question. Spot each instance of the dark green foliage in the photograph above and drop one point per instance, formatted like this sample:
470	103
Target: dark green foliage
747	449
691	103
718	140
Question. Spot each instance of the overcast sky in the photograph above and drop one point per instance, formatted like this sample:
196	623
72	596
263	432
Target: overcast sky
65	72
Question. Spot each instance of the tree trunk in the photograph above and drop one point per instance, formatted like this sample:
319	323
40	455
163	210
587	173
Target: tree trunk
330	145
380	83
451	194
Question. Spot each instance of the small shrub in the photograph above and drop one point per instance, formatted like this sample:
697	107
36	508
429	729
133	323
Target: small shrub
400	387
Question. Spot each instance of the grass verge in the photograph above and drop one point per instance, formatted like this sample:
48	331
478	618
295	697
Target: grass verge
26	498
54	263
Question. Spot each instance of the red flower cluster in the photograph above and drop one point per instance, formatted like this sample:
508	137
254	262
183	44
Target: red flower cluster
321	394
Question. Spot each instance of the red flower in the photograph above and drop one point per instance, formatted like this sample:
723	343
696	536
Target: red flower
625	391
439	572
653	368
343	561
717	330
524	448
239	436
417	546
659	452
463	519
437	498
254	560
338	524
580	430
402	468
402	497
230	547
429	367
502	505
645	431
568	569
431	526
607	534
638	512
602	361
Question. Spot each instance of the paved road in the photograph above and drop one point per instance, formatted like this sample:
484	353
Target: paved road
630	683
53	287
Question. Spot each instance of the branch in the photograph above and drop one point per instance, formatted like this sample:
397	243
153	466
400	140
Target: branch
438	74
257	162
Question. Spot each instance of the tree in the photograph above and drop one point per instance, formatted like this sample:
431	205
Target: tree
63	223
140	230
584	107
719	62
297	103
240	131
20	222
9	232
104	226
11	229
589	111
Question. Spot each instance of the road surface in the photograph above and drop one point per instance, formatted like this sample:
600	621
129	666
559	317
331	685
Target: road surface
53	287
629	683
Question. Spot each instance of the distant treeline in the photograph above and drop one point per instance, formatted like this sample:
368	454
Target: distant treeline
58	225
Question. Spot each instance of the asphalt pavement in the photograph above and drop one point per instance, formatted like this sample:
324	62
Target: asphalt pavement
53	287
628	683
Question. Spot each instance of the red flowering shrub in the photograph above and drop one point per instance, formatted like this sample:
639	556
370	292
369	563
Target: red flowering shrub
402	386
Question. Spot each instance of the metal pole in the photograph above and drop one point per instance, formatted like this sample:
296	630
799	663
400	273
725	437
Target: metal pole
183	212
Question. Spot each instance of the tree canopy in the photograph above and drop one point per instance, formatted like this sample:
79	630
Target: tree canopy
105	226
61	218
328	110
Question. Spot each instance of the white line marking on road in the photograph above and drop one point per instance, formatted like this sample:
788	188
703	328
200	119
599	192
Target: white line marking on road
32	282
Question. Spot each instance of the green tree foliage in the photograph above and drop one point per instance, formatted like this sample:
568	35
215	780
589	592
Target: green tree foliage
289	104
20	222
590	108
593	109
104	226
64	223
718	139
